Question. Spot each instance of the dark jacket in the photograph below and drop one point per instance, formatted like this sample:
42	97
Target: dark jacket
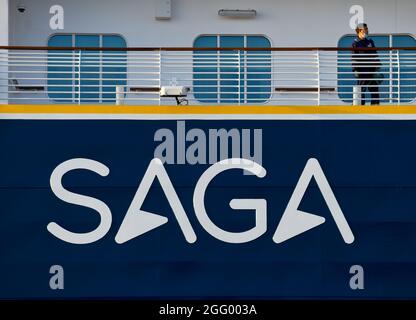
364	60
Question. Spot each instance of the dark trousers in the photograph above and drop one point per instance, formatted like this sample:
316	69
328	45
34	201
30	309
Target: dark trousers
366	82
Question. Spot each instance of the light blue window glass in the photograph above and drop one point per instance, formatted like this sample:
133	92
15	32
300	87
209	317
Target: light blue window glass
90	69
60	73
404	86
114	66
391	85
231	70
206	70
233	76
258	70
91	79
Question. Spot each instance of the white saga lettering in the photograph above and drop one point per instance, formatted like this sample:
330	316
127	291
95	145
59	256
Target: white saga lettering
137	221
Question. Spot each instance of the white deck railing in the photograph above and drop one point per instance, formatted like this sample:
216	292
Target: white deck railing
273	76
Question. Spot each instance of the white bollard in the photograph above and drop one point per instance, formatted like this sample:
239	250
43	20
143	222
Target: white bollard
356	95
119	95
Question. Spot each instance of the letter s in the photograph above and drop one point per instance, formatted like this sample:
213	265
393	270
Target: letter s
259	205
81	200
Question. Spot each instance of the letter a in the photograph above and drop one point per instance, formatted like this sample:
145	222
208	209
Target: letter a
357	280
57	20
137	222
57	280
295	222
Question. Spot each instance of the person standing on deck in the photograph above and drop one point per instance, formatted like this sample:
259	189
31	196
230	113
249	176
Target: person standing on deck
365	64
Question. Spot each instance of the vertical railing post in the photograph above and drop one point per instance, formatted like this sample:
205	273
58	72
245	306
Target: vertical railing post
73	56
398	77
4	41
101	68
319	77
79	77
238	72
4	77
245	61
218	75
160	73
390	77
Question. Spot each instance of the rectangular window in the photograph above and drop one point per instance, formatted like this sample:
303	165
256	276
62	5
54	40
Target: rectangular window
399	82
86	76
233	76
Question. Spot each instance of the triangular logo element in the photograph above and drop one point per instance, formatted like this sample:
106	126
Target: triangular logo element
295	222
137	222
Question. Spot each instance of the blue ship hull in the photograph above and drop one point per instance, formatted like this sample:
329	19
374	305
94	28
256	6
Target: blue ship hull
370	166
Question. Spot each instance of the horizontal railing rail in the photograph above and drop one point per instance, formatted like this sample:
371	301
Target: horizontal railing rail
313	76
202	48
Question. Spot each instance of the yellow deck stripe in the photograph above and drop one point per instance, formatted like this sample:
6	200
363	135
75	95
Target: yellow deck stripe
206	109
